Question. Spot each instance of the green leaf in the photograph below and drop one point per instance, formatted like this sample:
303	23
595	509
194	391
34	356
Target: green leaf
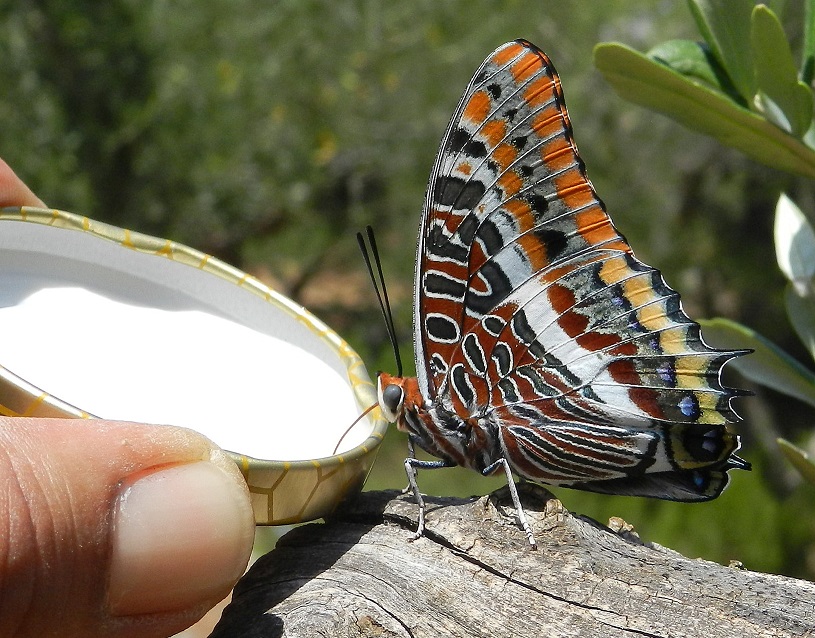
799	459
725	26
695	61
794	244
639	79
768	365
808	62
780	96
801	313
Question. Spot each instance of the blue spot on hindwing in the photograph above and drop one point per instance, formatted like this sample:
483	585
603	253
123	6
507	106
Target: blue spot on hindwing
667	373
689	406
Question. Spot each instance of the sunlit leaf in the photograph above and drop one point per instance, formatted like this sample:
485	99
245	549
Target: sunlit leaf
794	244
725	26
768	365
780	96
639	79
800	460
695	61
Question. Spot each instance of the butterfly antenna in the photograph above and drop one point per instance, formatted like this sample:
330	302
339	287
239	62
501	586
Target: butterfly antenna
382	296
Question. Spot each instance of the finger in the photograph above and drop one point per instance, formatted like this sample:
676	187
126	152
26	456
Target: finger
12	190
115	529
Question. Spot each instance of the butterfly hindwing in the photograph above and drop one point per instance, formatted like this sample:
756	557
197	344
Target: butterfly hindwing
532	311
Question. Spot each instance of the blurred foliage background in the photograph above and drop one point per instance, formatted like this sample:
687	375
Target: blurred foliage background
267	134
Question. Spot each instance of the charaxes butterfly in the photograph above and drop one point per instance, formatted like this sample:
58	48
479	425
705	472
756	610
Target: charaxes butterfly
543	347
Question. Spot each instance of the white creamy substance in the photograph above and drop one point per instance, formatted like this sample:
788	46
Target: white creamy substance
248	391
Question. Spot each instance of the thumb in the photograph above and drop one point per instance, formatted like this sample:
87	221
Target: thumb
115	529
12	190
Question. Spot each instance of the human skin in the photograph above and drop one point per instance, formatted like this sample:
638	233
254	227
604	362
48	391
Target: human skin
111	528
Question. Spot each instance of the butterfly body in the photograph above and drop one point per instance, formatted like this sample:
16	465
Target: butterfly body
543	345
472	443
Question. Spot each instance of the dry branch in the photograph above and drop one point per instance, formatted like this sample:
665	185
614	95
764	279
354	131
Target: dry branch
474	575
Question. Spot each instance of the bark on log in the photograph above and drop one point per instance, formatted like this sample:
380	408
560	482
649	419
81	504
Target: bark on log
473	574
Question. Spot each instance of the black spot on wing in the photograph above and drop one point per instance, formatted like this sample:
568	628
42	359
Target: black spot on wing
502	356
539	206
494	325
462	385
461	141
474	353
439	285
555	241
519	142
457	193
441	328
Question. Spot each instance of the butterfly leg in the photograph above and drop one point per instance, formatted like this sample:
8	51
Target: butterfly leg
411	465
411	455
513	492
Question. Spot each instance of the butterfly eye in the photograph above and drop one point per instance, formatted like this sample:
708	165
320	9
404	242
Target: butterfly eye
391	399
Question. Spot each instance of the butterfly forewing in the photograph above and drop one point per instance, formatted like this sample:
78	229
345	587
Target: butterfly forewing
507	200
533	315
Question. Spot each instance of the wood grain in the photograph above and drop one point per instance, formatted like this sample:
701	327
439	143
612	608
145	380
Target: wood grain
473	574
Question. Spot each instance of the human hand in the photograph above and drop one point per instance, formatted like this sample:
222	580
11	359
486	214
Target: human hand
113	529
12	190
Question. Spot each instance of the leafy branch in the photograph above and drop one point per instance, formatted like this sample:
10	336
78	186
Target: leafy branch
742	86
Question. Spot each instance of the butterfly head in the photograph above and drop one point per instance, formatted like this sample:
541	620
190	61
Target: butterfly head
391	394
400	401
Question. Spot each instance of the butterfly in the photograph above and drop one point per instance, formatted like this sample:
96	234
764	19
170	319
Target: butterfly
544	348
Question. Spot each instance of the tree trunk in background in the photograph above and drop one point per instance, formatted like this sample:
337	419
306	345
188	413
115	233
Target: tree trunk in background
473	574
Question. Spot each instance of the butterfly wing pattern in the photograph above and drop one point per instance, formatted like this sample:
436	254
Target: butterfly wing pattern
542	344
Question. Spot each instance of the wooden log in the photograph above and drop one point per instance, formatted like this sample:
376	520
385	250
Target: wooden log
473	574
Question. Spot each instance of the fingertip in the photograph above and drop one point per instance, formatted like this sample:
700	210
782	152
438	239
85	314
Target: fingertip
13	192
181	537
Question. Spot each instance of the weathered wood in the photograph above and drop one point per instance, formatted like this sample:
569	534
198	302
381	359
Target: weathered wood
473	574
